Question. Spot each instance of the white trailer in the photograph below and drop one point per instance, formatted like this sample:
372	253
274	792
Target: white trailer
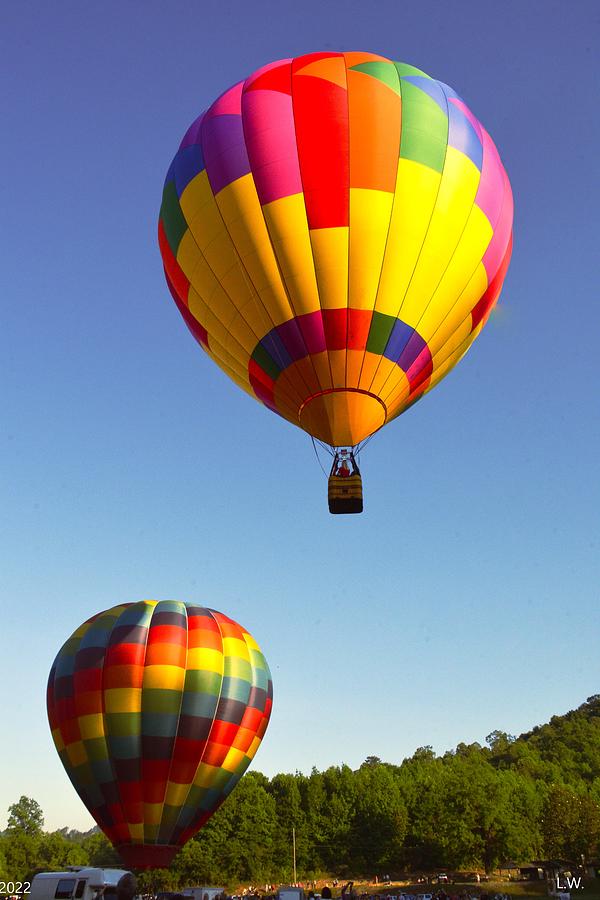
76	883
290	893
203	892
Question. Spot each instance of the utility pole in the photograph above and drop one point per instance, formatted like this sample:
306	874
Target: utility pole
294	852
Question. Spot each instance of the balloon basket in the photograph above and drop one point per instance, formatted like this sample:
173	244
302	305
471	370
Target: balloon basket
344	490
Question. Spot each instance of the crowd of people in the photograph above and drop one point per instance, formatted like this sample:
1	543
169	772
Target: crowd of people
348	892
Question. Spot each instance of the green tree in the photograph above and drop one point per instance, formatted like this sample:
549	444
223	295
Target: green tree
4	873
337	816
25	816
247	825
195	864
420	779
291	819
499	741
315	807
157	880
489	815
23	838
570	823
100	853
379	821
55	852
21	851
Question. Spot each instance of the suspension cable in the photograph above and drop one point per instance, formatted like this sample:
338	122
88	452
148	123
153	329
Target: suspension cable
326	447
363	444
318	457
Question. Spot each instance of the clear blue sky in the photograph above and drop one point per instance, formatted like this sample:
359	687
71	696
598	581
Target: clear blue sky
466	597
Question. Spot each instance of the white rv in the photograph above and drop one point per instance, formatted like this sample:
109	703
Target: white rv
77	883
290	892
202	893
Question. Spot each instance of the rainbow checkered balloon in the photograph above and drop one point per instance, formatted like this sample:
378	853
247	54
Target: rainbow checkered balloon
156	709
335	230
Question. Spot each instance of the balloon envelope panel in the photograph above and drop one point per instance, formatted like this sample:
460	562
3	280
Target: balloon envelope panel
335	231
156	710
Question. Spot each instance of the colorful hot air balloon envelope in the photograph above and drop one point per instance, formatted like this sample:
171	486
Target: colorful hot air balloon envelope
335	230
156	710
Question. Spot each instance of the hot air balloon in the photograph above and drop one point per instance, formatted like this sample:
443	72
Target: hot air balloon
156	710
335	230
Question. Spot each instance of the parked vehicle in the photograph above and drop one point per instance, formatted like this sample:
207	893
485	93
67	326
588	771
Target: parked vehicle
289	892
77	883
203	892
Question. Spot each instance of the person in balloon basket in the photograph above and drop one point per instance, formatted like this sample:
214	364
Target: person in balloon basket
343	469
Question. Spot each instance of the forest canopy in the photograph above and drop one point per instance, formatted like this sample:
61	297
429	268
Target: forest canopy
532	797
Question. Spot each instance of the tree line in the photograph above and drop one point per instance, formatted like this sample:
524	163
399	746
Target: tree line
532	797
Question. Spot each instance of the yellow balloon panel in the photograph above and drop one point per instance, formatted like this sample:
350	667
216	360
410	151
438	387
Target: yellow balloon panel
458	318
445	308
288	228
245	224
453	205
330	254
416	193
370	213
